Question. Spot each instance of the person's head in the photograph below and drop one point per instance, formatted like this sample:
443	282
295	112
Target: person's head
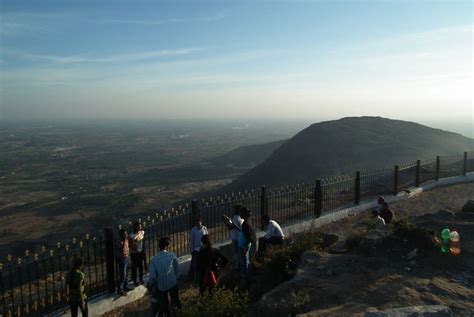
381	200
78	264
237	209
137	226
265	219
206	241
375	213
198	222
385	204
123	234
164	243
245	213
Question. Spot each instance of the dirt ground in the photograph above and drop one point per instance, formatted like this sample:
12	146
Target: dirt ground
356	283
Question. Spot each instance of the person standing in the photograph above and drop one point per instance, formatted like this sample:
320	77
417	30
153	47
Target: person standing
164	271
123	252
75	289
274	234
137	252
234	232
247	238
197	232
210	260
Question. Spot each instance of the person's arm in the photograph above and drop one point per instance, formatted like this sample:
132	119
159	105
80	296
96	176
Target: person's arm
153	273
176	266
270	229
222	259
81	291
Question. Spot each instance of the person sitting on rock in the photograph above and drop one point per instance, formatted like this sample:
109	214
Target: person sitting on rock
274	234
386	213
380	203
378	221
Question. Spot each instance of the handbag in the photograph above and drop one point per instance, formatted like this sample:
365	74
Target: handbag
209	279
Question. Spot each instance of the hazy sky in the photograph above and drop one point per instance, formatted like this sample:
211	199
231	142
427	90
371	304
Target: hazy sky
236	59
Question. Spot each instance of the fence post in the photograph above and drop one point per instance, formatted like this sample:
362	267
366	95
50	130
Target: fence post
464	167
318	201
109	259
437	167
357	188
194	211
263	206
395	181
417	177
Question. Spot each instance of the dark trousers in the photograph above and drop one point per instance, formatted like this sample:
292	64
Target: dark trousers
138	263
193	267
264	242
161	307
74	306
122	281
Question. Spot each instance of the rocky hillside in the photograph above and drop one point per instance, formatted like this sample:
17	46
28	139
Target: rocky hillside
345	145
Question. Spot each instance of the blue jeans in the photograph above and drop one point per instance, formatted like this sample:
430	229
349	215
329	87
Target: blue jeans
235	245
244	257
122	273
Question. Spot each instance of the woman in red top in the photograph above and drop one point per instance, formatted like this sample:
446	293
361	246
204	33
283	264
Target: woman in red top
210	260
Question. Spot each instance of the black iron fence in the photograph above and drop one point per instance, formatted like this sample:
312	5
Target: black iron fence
34	284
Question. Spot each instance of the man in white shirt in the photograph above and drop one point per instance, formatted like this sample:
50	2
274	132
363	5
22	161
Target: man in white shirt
376	220
274	234
197	232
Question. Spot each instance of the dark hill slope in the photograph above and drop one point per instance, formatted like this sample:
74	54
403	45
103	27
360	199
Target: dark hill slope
345	145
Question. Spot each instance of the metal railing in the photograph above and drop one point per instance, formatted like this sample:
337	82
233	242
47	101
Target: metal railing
33	284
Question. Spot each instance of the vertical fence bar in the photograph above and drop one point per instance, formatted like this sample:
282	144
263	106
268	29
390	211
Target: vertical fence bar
395	181
464	167
318	202
417	176
357	188
2	288
263	205
194	211
109	258
438	165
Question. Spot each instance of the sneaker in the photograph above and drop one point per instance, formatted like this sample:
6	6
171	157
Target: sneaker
122	293
135	283
126	289
142	282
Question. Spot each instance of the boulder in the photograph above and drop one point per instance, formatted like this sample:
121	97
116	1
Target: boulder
412	311
442	215
468	207
373	240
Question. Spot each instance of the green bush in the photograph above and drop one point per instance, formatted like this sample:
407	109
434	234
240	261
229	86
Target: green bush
220	303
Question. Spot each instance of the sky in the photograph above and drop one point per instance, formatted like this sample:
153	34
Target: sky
236	59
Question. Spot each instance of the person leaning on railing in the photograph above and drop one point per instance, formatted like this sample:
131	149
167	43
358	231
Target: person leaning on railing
75	289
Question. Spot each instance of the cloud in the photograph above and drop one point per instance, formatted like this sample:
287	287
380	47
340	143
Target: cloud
212	18
118	58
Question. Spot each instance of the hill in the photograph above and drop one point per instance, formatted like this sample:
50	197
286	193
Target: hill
354	143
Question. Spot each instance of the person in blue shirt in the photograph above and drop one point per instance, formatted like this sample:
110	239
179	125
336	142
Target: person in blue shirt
247	238
164	271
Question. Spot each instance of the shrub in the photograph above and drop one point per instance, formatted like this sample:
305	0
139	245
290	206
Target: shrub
282	261
220	303
354	239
